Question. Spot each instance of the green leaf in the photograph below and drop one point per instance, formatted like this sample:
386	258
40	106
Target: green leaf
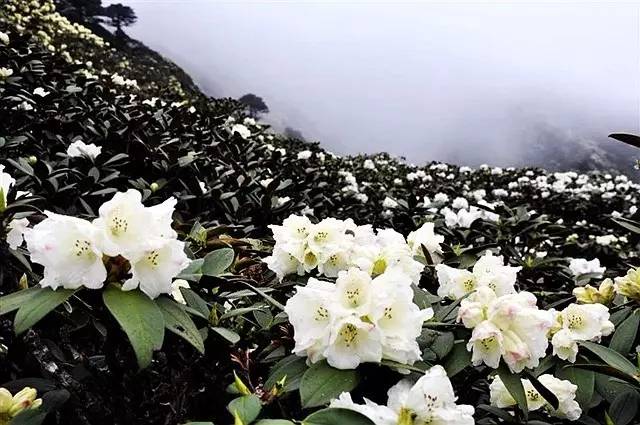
193	271
500	413
293	367
216	262
605	369
321	383
38	305
625	407
178	321
634	226
247	407
195	302
263	295
227	334
584	380
443	344
609	387
333	416
140	318
612	358
14	300
624	338
458	359
513	383
30	417
274	422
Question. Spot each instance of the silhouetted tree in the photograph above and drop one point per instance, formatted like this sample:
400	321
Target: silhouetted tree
254	104
80	10
120	15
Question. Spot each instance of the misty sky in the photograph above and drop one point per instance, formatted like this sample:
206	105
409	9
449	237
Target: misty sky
461	81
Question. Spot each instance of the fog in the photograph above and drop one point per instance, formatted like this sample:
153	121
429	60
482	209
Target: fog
458	81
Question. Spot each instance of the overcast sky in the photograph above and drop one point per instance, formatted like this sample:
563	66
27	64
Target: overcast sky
460	81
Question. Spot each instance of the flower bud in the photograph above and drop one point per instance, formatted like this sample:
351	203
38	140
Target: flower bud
590	295
240	386
32	160
629	285
154	186
5	400
24	399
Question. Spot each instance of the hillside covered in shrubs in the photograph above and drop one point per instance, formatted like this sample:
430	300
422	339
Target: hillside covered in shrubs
165	258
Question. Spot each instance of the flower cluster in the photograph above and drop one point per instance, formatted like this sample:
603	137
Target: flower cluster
119	80
12	405
332	245
430	400
489	271
358	319
565	392
79	148
510	327
579	322
582	266
72	250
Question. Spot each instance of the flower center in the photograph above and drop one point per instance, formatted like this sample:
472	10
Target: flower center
82	248
322	314
487	343
575	321
153	258
469	284
349	333
119	225
320	236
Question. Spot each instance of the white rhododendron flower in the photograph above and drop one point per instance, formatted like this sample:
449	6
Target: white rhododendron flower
510	327
379	415
427	237
579	322
385	251
6	182
154	270
17	228
357	319
243	131
126	227
369	164
119	80
565	391
79	148
5	73
462	218
304	154
389	203
429	400
39	91
489	271
4	38
67	248
460	204
580	266
353	341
